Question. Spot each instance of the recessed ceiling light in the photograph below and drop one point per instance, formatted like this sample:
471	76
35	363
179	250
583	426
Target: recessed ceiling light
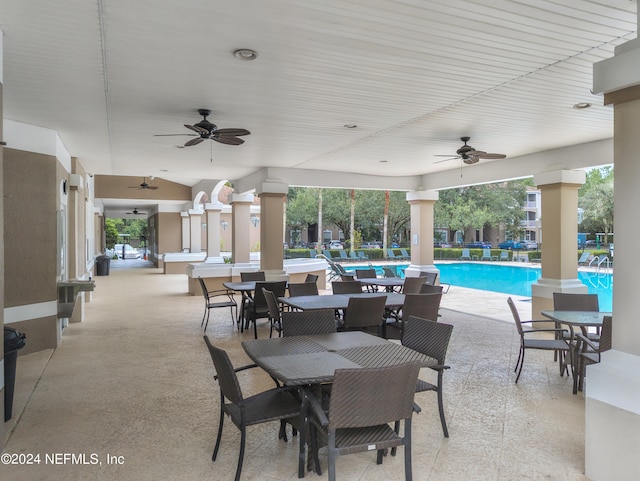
582	105
383	161
349	126
245	54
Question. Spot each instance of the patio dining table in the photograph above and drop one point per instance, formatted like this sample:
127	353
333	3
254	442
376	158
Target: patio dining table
338	301
390	284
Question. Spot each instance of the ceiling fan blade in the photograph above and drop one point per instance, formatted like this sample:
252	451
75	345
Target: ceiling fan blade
445	155
491	156
151	187
223	139
171	135
444	160
194	142
198	129
232	132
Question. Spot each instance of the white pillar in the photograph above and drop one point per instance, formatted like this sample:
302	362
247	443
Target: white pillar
240	211
195	224
612	424
272	194
213	211
186	231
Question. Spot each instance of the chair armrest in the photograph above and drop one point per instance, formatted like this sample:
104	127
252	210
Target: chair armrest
533	321
589	342
238	369
439	367
528	331
315	406
416	409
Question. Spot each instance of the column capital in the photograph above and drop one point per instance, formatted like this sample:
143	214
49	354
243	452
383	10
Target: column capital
246	198
184	214
195	212
576	177
272	186
421	195
214	206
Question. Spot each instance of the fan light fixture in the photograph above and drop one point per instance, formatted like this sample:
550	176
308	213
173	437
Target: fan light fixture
582	105
245	54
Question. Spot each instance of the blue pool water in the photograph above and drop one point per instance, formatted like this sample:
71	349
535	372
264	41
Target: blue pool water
514	280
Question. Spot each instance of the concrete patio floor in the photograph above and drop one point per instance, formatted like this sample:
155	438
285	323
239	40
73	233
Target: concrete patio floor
134	384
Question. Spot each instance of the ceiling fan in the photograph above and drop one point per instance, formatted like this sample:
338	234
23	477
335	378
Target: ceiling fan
136	212
144	185
469	155
206	130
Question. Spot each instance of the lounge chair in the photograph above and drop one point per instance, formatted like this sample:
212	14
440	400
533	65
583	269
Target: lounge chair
353	255
405	254
362	256
466	255
584	259
328	255
504	256
343	255
392	255
486	255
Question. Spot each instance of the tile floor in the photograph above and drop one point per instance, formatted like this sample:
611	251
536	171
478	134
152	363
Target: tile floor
133	385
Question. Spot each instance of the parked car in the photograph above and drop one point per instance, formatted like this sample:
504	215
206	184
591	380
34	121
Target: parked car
590	244
395	245
529	244
129	251
369	245
441	244
334	244
510	245
479	245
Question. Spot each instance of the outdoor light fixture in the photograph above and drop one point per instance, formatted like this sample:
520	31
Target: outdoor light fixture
224	224
245	54
255	220
582	105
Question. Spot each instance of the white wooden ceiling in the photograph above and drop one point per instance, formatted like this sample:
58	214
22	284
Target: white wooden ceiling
413	75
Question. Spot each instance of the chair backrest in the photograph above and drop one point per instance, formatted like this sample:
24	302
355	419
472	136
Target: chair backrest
303	323
277	287
390	253
272	304
388	272
364	312
465	253
229	385
516	316
504	256
428	337
405	253
430	289
311	278
412	285
431	277
353	255
563	301
252	276
486	252
355	395
203	286
303	289
584	257
606	334
346	287
425	306
366	273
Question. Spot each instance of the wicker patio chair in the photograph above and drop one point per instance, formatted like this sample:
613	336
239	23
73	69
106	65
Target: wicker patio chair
278	404
302	323
563	301
311	278
364	314
303	289
362	404
556	344
430	289
275	313
432	339
432	279
216	299
257	305
346	287
588	351
252	276
412	285
425	306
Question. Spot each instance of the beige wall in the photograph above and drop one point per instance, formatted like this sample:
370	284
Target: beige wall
168	232
117	187
30	186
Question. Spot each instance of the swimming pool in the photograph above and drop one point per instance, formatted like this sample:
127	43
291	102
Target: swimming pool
514	280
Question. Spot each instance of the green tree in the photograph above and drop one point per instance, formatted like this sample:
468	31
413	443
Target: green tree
595	197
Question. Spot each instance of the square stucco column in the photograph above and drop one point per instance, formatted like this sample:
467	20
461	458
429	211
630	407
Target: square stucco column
213	211
186	231
421	204
612	414
272	198
559	198
195	224
240	209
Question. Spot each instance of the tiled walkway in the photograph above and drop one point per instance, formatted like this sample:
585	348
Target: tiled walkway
135	381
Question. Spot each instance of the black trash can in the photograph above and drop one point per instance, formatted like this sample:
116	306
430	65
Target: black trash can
13	341
102	265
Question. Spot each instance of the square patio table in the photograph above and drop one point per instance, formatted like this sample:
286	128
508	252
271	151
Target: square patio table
338	301
390	284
